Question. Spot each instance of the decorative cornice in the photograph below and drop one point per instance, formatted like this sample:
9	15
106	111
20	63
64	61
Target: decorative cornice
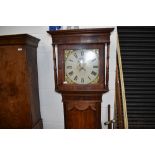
81	36
19	39
81	31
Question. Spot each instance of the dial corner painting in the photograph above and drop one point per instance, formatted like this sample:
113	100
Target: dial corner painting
81	66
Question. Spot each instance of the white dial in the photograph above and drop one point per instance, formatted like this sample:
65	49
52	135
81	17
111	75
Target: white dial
82	66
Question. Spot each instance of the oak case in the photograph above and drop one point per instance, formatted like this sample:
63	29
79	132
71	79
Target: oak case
82	102
19	97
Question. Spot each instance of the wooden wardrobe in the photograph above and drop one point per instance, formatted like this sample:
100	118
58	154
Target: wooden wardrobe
19	97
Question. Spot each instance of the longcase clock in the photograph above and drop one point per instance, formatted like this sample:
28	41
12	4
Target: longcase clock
81	74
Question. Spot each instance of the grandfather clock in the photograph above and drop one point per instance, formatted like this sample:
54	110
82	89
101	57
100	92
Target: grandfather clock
81	72
19	97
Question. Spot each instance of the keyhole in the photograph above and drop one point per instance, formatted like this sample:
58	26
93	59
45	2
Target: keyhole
19	49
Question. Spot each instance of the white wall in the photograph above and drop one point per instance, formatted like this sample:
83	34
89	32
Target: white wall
51	102
108	98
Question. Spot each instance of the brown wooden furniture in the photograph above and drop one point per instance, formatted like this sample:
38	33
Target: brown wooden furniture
82	102
19	98
118	100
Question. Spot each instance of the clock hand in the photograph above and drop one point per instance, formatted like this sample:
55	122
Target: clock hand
81	65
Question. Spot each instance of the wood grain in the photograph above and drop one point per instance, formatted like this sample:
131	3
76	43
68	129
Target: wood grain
19	98
82	103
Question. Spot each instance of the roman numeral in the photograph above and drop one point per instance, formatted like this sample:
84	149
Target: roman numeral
82	80
95	66
76	78
93	73
70	73
69	67
93	60
75	55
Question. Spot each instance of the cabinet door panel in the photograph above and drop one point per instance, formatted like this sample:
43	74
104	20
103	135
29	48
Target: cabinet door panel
13	88
81	119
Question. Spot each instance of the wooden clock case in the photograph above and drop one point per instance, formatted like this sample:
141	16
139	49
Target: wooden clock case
82	102
19	97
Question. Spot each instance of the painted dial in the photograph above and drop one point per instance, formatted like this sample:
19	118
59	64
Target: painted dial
81	66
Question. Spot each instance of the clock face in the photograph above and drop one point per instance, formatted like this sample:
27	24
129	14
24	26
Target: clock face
82	66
